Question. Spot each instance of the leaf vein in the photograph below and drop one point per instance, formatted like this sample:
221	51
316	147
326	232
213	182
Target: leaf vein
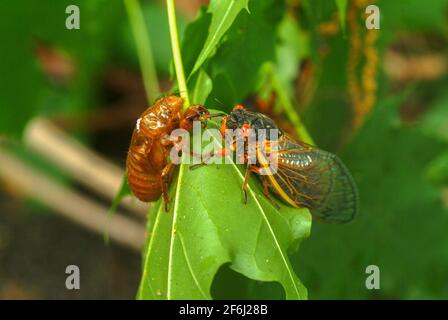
173	232
190	267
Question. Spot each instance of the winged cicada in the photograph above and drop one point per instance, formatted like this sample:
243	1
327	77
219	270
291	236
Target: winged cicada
304	176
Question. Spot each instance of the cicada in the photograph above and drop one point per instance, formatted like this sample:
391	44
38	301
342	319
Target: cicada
148	165
305	176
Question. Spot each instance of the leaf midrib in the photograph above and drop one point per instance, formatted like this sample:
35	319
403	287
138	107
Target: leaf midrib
173	230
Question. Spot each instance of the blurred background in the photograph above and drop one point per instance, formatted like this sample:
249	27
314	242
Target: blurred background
68	104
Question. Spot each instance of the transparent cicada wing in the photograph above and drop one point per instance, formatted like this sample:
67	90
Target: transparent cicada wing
317	180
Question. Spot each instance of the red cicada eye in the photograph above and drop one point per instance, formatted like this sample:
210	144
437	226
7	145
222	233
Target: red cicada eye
238	107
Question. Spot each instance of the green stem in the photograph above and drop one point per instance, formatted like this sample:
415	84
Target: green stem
144	51
177	57
291	113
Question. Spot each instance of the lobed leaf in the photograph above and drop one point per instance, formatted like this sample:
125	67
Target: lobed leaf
203	87
223	14
208	226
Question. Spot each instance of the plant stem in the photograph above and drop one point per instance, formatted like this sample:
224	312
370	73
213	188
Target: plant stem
291	113
177	57
144	50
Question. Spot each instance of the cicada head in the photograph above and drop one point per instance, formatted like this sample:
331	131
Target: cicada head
240	118
194	113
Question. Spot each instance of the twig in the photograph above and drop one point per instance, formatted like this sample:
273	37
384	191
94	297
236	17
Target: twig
69	203
144	51
289	109
177	57
79	162
426	67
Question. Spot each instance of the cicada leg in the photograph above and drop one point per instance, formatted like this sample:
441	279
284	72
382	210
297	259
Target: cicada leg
220	152
267	193
165	175
249	169
246	181
266	187
175	142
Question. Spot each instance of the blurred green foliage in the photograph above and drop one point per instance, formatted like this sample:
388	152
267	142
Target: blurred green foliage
401	167
403	222
402	226
26	91
157	28
249	42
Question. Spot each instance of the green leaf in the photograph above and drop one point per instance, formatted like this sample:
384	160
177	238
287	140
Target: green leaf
250	42
413	15
435	122
342	9
208	226
202	88
223	13
402	223
122	192
193	39
291	49
437	171
24	82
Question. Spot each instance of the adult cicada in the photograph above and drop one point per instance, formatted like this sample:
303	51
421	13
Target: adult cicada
305	175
